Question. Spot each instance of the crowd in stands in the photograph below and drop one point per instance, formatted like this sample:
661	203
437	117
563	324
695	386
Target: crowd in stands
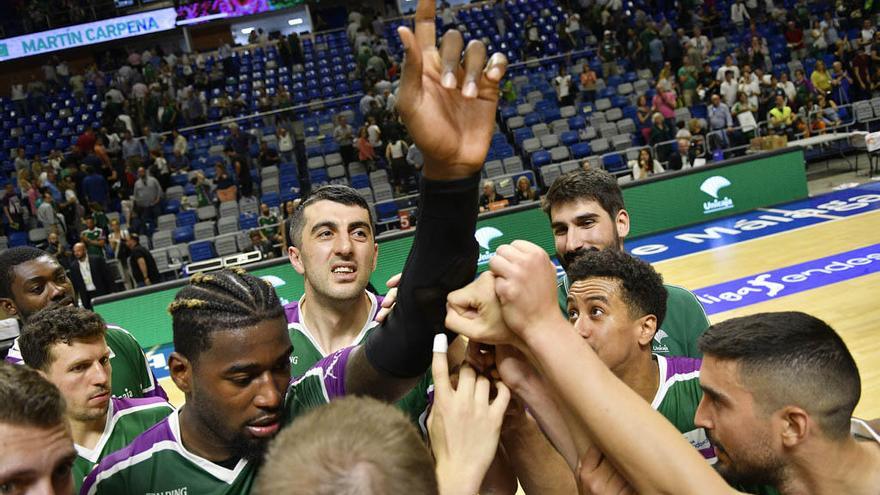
658	88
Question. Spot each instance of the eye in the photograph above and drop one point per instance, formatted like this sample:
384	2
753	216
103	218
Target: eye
360	234
573	315
8	487
63	470
241	381
596	311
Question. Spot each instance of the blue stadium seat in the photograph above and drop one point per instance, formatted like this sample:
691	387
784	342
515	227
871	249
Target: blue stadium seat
183	234
201	251
568	138
187	218
580	150
614	163
247	221
540	158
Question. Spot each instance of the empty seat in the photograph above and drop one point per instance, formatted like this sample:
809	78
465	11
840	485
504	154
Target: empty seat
515	122
599	146
162	239
513	164
682	115
531	145
559	126
568	138
270	185
603	104
382	192
206	212
567	111
174	193
569	166
160	256
580	150
204	230
549	141
549	174
559	153
227	224
626	126
336	171
269	172
614	162
366	193
187	218
608	130
225	245
315	162
621	141
333	159
201	251
524	109
540	129
613	114
494	168
228	209
167	222
183	235
541	158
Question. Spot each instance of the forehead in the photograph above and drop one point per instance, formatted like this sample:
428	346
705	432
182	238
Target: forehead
32	448
590	287
331	211
261	343
721	375
44	266
78	349
570	210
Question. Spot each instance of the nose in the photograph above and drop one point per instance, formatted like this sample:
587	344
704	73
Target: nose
572	242
701	417
57	291
343	244
100	374
269	394
582	328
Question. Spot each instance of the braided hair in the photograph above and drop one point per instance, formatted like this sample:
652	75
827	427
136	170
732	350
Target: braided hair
222	300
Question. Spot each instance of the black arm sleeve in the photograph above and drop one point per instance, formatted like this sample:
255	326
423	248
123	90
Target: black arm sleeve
443	258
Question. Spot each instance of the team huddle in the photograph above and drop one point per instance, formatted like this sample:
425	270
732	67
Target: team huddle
604	381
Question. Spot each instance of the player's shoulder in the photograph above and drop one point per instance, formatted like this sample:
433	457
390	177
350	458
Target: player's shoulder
291	312
157	438
125	406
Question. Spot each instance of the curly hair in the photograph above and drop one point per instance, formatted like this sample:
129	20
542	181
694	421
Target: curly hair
53	325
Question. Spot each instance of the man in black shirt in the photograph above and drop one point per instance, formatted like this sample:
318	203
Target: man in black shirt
143	266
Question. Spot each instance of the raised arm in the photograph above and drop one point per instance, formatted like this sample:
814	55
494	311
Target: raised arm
448	103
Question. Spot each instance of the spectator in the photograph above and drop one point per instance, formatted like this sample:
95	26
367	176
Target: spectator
499	12
699	47
720	122
794	38
749	85
524	190
414	157
588	80
13	210
374	133
180	144
707	84
93	237
821	78
117	240
489	196
401	173
687	81
804	88
285	145
343	134
46	213
141	263
684	157
366	153
744	111
270	223
788	89
532	38
90	276
739	13
646	165
241	166
95	188
609	51
664	101
147	195
655	50
562	84
781	118
132	150
260	244
840	84
21	162
661	134
729	88
268	157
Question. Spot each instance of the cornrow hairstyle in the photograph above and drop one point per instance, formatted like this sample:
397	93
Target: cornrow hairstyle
223	300
51	325
336	193
28	399
11	258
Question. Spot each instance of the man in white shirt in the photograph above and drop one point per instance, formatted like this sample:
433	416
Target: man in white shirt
728	66
729	88
181	145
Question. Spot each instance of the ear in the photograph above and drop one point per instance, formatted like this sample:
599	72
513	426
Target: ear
181	370
293	254
7	306
647	329
796	425
622	224
375	255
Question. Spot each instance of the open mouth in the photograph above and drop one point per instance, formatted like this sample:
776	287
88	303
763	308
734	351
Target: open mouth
265	427
344	271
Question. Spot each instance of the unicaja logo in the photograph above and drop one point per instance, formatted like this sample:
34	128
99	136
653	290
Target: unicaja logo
484	236
711	186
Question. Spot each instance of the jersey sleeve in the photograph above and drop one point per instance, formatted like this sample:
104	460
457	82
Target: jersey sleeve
322	383
140	370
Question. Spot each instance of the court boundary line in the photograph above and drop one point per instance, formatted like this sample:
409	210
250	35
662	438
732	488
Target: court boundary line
836	219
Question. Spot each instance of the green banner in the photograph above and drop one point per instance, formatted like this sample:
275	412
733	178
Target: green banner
701	195
656	205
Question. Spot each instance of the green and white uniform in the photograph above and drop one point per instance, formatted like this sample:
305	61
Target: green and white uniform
126	419
307	351
157	462
132	377
685	321
678	397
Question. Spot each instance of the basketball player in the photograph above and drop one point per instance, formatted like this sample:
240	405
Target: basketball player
67	345
587	212
232	349
31	279
334	249
36	454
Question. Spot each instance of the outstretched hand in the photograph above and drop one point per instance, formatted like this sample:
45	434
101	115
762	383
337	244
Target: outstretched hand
448	101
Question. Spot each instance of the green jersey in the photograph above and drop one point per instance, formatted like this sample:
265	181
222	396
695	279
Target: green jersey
132	377
269	220
126	419
307	351
678	397
94	234
685	321
157	462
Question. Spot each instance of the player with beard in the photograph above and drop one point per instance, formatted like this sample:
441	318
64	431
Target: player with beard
586	211
31	279
67	345
335	251
232	348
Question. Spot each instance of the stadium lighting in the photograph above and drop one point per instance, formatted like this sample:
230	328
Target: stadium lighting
247	30
295	22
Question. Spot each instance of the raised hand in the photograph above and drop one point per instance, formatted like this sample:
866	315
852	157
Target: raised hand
525	282
474	311
447	101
